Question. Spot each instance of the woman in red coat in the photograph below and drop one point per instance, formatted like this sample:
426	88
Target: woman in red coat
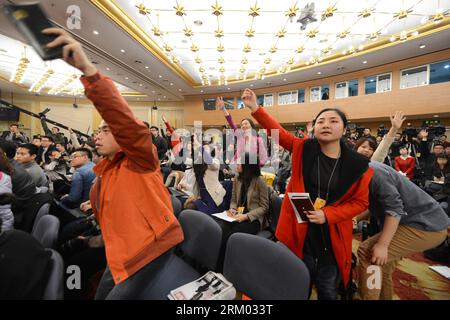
404	163
337	180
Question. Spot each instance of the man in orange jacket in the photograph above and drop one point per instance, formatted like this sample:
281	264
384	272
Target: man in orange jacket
129	199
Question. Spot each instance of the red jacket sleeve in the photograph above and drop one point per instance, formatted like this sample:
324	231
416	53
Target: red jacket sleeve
131	134
269	123
351	205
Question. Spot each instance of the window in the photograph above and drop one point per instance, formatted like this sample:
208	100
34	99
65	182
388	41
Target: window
353	88
319	93
414	77
240	104
370	84
229	103
288	97
268	100
341	90
315	94
301	96
209	104
265	100
384	83
260	101
379	83
440	72
346	89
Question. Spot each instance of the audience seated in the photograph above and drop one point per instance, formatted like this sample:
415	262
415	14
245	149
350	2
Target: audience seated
14	135
26	156
82	179
404	163
249	202
208	192
23	186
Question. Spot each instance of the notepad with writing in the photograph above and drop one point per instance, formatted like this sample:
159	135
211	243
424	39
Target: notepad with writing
224	216
301	202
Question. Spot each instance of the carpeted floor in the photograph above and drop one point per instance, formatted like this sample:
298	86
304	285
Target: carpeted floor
414	280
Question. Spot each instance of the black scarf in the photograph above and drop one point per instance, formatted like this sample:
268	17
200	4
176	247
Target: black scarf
353	166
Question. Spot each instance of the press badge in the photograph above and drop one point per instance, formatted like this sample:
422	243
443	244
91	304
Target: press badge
319	203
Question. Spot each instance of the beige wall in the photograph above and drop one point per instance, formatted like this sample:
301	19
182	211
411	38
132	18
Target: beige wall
421	101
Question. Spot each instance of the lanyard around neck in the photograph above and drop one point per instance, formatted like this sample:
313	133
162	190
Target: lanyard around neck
331	177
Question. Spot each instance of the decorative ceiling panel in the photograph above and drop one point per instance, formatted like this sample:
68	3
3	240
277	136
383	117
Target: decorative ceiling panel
219	42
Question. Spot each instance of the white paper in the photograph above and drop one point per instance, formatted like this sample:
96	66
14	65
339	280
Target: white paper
224	216
442	270
217	288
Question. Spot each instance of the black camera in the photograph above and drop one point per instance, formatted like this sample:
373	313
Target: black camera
382	130
86	227
411	132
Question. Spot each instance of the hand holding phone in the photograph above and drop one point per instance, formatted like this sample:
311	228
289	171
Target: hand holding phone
30	20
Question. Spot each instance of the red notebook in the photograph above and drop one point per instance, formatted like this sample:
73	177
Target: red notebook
301	202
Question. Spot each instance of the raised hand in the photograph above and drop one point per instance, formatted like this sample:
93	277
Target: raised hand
73	53
249	99
164	119
220	104
397	120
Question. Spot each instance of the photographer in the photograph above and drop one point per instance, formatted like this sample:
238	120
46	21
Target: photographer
15	135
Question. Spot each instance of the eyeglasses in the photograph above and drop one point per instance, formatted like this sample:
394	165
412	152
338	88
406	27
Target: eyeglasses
74	157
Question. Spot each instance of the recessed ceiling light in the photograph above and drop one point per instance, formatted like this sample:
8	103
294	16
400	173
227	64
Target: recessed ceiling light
422	46
180	90
126	78
153	91
284	79
140	84
146	67
446	66
201	91
121	50
108	69
251	85
319	72
436	116
228	88
171	83
160	76
95	32
365	61
164	97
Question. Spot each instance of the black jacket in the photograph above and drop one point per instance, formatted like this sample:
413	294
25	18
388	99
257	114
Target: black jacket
161	145
23	188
